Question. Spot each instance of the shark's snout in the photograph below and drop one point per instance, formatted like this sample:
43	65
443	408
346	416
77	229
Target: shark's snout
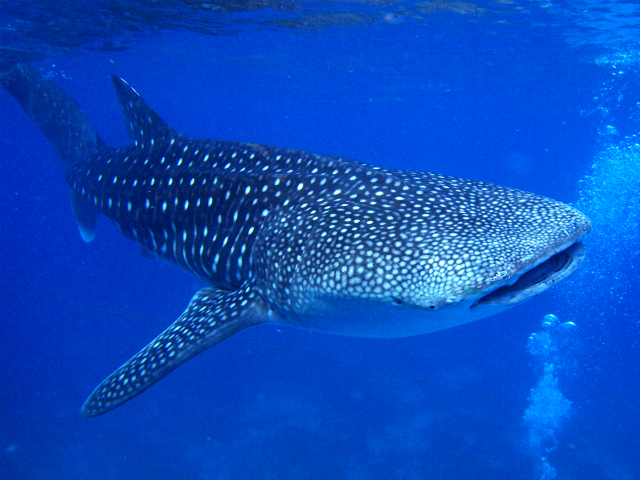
536	279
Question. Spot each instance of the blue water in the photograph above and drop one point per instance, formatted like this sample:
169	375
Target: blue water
538	96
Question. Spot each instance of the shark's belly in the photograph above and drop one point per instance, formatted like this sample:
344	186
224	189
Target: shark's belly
372	319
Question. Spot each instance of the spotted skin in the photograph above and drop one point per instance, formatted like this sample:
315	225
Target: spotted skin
285	236
212	316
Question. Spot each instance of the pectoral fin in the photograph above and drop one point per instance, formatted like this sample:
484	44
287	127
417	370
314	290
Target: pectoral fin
212	316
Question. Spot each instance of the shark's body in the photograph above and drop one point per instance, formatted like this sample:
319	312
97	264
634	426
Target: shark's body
291	237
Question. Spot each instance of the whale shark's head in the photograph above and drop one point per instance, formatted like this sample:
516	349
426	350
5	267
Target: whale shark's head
405	253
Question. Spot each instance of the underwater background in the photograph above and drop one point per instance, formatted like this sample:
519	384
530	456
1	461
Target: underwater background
538	95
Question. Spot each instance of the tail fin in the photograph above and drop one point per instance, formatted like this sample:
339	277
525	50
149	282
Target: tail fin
64	123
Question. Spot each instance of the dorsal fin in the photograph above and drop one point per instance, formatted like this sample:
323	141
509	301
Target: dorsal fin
145	126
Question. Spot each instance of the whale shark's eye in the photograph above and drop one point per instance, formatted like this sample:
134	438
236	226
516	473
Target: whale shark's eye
397	301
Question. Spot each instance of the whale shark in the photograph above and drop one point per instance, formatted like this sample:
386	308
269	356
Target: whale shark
295	238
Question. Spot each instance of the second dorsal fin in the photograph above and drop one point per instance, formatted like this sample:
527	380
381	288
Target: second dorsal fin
146	128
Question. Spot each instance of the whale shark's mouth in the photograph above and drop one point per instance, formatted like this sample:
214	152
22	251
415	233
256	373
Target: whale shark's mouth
537	279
